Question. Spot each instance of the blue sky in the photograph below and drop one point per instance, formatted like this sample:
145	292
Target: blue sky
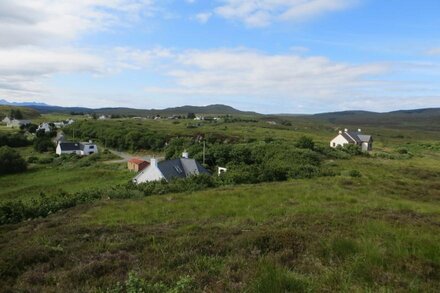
277	56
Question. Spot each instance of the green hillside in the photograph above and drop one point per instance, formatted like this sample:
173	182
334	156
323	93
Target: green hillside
210	109
378	232
423	119
28	113
338	221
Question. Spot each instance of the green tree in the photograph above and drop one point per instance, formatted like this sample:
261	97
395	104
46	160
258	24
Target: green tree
43	144
11	161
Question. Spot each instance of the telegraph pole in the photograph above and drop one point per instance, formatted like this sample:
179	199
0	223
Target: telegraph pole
204	147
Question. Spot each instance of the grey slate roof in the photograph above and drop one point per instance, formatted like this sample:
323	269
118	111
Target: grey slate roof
180	168
347	137
70	146
365	138
356	137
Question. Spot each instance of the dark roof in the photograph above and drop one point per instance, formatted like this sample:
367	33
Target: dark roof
347	137
180	168
356	137
69	146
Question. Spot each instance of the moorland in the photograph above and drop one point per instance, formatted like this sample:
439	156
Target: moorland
290	215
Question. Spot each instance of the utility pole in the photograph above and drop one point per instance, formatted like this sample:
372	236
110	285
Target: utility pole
204	147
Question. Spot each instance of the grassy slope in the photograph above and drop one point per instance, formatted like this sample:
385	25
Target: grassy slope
28	113
380	231
68	177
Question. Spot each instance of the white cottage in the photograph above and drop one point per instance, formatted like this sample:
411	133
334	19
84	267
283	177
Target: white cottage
18	123
79	148
168	170
353	137
44	126
6	120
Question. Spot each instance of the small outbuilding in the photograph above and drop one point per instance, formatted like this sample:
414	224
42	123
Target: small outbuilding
365	141
137	165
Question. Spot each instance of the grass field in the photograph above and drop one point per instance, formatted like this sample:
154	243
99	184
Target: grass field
50	178
376	232
379	232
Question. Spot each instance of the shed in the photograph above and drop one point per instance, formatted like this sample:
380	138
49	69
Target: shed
137	165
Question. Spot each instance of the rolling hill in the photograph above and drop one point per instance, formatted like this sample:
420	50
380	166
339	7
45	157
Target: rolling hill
28	113
427	119
216	109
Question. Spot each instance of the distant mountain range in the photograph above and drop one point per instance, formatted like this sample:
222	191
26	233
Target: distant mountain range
428	118
183	110
23	104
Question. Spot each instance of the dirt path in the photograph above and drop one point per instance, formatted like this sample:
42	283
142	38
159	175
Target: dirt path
127	156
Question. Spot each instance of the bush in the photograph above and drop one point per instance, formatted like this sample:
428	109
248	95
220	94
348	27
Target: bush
305	142
355	173
32	160
11	161
43	144
13	140
45	160
352	149
402	151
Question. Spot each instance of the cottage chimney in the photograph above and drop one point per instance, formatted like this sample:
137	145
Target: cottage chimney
90	141
153	162
340	131
185	155
345	130
359	130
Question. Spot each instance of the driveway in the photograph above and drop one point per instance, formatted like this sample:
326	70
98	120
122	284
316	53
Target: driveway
125	157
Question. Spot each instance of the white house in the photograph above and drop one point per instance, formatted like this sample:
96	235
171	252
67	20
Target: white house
18	123
44	126
168	170
353	137
79	148
6	120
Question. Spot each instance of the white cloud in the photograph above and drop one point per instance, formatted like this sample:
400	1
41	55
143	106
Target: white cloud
36	39
23	71
203	17
259	13
47	22
433	52
247	74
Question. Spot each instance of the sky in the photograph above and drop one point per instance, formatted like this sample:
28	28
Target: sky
269	56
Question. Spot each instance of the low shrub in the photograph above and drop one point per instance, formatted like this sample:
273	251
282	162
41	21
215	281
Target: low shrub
355	173
305	142
43	144
32	160
11	161
46	160
14	140
402	151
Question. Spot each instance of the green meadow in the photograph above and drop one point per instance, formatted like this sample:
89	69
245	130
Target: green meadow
373	230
